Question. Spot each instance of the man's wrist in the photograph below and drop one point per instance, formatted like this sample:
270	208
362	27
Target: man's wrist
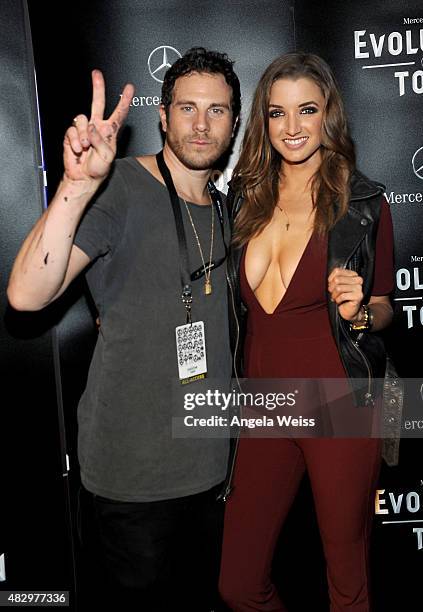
76	193
82	186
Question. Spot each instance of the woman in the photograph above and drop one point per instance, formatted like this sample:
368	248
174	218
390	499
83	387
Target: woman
313	256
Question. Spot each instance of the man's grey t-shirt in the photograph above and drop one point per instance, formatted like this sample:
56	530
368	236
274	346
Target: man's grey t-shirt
125	445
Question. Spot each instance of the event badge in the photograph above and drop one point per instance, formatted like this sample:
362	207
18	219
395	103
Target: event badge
191	352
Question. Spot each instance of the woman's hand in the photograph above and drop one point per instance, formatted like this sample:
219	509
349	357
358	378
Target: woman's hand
89	147
346	289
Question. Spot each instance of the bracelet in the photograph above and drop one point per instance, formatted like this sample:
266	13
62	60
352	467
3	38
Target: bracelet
366	323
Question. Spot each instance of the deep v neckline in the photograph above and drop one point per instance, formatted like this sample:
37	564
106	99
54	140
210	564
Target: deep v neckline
293	277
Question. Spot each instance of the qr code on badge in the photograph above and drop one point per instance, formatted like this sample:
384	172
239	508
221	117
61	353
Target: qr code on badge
191	349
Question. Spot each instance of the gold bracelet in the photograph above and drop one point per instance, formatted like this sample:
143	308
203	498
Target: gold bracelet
366	323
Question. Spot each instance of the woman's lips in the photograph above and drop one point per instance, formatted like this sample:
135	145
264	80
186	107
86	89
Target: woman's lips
295	143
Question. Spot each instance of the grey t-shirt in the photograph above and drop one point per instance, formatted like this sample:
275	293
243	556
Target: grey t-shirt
125	445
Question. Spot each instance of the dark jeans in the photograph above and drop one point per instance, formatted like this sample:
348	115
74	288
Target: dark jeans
153	556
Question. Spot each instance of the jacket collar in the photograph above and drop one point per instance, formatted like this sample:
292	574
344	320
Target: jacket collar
363	188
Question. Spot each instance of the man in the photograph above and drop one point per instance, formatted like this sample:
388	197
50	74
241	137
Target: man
153	495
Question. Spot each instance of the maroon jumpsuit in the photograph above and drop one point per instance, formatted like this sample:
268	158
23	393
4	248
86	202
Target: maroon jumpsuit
296	341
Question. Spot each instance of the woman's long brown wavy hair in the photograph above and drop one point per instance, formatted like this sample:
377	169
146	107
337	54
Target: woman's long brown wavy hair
258	171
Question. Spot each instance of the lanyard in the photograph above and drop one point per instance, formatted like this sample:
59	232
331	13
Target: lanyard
186	295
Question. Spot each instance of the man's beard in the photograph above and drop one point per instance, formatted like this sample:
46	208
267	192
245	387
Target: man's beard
197	160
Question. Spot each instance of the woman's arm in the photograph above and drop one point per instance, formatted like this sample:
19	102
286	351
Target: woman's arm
345	286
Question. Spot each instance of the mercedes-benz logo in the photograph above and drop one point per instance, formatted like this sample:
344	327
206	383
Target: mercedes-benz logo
417	163
160	59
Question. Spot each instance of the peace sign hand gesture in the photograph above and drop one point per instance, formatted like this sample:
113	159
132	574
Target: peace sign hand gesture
89	147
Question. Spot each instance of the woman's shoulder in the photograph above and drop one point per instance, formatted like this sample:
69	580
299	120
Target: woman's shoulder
368	197
362	187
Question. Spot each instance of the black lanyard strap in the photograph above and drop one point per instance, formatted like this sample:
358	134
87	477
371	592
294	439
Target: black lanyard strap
185	275
186	295
217	201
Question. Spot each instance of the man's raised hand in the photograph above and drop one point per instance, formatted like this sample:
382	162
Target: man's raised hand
89	147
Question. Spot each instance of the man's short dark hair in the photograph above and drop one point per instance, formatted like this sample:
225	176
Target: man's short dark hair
198	59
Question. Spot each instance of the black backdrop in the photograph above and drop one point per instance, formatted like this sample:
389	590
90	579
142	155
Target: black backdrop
35	530
46	373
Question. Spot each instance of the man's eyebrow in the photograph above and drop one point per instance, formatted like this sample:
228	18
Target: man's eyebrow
192	103
221	104
299	106
185	102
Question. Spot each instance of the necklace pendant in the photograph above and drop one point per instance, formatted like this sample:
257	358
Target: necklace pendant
287	226
207	287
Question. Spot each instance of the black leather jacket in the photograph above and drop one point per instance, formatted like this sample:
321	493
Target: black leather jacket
351	244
